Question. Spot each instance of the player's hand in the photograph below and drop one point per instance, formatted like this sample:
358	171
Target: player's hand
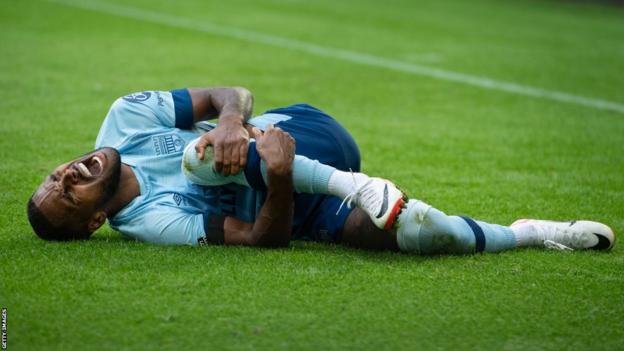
230	141
276	148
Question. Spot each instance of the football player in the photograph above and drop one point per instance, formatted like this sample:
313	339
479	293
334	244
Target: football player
162	174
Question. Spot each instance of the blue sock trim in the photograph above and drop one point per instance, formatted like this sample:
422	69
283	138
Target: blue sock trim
478	233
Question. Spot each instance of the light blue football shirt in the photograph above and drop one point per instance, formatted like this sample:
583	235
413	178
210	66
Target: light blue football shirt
150	131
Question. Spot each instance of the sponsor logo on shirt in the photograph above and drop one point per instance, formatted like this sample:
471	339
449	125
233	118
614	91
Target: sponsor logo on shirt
161	101
203	241
167	144
177	198
138	97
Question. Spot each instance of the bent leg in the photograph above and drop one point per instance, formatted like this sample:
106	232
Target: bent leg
309	176
202	172
426	230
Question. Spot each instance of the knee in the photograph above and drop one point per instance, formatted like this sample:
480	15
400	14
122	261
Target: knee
198	171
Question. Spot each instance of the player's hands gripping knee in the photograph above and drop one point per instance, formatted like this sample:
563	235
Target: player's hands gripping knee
230	142
277	148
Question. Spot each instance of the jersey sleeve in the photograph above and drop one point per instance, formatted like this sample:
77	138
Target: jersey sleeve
166	226
140	112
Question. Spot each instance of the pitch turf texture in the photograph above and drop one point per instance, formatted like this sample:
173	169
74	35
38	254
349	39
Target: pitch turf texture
494	155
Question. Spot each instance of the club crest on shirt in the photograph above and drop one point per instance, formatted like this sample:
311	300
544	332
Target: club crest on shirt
166	144
138	97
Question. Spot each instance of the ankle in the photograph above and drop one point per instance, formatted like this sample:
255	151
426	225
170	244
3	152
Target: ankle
526	235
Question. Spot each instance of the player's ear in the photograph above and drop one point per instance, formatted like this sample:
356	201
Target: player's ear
96	221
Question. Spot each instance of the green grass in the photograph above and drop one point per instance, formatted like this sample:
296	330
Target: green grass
493	155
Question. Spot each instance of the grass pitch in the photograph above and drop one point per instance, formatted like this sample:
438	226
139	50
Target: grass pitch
493	155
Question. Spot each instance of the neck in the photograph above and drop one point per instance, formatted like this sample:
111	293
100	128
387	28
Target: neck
127	190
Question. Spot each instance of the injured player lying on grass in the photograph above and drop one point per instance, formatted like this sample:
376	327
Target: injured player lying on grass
162	174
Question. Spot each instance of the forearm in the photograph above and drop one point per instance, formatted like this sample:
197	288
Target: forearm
273	224
231	104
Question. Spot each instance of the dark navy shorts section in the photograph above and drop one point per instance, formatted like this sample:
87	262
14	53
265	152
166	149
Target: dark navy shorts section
318	137
321	222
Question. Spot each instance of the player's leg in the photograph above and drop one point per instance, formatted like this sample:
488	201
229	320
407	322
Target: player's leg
426	230
381	199
319	138
309	176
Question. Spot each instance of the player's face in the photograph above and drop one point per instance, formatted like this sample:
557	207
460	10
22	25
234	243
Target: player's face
75	190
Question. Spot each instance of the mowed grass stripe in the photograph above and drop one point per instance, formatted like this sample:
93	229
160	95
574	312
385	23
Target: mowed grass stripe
346	55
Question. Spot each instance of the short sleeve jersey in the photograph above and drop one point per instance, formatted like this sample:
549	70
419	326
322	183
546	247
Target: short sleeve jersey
150	130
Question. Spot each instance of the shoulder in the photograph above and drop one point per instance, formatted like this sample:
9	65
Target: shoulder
152	105
134	113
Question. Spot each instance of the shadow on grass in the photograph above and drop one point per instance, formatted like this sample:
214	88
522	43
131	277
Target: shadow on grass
297	247
111	242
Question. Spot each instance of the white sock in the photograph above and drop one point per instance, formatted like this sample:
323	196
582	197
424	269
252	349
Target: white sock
525	234
342	183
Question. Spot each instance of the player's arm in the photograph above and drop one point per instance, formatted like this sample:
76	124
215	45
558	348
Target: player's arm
273	224
233	106
173	226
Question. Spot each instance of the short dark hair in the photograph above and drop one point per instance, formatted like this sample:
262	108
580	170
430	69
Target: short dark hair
48	231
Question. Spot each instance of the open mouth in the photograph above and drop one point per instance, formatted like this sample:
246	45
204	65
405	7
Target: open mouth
92	166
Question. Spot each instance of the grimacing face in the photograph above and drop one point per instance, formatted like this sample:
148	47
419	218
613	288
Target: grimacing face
72	194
